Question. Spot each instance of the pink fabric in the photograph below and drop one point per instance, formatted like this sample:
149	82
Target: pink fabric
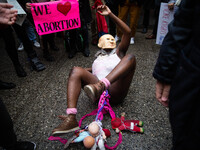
71	110
106	82
53	138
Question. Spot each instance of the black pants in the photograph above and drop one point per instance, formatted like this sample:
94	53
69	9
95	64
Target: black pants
146	18
28	45
7	35
156	14
112	25
184	107
7	137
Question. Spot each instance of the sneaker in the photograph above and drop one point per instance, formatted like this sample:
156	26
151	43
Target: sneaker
21	47
36	44
132	40
69	124
37	65
25	145
117	38
94	91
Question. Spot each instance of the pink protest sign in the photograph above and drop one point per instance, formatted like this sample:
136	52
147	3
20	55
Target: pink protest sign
50	17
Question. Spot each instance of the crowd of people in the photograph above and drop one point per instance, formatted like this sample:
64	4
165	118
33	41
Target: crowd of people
176	71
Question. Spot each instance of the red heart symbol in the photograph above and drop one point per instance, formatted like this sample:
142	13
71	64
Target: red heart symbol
64	8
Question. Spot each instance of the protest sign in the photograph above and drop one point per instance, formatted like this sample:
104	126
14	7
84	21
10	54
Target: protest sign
56	16
21	14
165	17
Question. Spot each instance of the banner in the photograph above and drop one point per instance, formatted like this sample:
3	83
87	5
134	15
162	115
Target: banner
165	17
56	16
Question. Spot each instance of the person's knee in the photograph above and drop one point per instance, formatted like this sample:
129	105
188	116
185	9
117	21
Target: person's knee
131	59
75	71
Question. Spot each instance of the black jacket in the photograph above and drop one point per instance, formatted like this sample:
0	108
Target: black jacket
181	44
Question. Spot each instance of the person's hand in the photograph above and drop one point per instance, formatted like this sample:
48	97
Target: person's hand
28	7
103	10
7	16
162	93
171	6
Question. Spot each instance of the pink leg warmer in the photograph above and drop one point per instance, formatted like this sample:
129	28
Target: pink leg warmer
71	110
106	82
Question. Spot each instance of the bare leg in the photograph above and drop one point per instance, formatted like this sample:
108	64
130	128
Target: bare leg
120	78
77	79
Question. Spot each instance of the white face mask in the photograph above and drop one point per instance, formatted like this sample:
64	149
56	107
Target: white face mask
107	41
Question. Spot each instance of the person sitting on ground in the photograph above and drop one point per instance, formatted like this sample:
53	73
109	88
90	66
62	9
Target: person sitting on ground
113	70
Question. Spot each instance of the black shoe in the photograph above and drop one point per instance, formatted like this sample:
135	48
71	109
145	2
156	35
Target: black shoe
54	48
48	57
20	71
25	145
37	65
71	54
6	85
86	52
144	30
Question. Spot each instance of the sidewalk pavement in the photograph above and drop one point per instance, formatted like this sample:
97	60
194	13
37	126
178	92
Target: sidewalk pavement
41	96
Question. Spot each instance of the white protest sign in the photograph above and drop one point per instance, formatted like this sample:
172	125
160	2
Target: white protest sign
165	17
21	15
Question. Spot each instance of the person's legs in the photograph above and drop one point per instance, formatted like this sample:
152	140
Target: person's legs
112	25
28	47
12	51
123	14
77	79
134	18
46	54
7	137
117	81
146	20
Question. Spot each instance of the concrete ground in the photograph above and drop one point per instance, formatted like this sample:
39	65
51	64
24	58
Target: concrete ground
41	96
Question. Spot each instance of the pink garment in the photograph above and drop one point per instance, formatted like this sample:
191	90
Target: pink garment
105	63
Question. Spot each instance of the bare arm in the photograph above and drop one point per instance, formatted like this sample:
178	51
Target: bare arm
125	40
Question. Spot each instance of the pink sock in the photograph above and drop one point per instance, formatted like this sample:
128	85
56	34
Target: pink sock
106	82
71	110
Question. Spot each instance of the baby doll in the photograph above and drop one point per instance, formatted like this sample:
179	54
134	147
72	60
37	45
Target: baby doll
122	124
97	132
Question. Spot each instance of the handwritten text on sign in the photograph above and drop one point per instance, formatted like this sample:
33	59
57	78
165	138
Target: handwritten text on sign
165	17
50	17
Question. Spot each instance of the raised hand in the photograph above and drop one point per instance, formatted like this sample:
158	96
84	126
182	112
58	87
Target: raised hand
103	10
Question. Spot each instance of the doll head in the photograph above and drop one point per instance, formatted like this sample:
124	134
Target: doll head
94	128
88	141
107	41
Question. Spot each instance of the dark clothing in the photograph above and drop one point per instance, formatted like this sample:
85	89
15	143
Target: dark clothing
114	8
179	65
8	138
85	11
148	4
10	46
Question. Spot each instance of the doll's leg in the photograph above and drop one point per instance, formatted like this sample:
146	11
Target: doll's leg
117	81
77	79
